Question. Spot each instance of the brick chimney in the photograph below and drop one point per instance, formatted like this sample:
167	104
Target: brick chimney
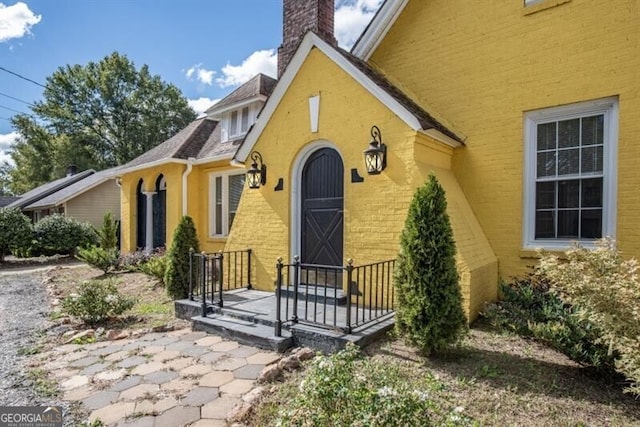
300	16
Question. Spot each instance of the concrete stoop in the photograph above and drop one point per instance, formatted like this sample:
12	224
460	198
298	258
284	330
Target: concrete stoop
256	328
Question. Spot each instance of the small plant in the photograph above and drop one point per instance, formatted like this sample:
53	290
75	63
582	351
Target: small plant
133	260
42	384
108	233
104	259
346	389
97	301
155	267
15	231
429	312
177	276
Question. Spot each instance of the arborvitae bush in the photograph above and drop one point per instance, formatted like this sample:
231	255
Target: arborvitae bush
16	231
429	312
108	233
177	276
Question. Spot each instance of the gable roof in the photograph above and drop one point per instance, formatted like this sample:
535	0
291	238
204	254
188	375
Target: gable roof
74	190
258	87
374	82
49	188
373	34
186	144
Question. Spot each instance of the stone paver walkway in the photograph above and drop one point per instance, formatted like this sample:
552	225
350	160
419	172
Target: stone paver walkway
176	378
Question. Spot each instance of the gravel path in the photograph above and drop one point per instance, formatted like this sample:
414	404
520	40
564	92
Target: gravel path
24	311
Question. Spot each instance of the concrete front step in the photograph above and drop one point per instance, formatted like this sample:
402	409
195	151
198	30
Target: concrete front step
243	331
320	294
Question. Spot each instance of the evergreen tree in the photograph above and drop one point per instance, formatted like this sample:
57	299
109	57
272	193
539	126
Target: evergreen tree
177	275
429	312
108	233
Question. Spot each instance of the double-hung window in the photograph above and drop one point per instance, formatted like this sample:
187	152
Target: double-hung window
238	122
225	192
570	174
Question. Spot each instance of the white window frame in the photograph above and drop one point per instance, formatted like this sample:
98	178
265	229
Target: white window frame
606	106
225	202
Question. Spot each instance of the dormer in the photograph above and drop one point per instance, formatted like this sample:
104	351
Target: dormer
238	111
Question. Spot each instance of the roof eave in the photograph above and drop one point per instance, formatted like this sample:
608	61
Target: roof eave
214	113
378	28
155	163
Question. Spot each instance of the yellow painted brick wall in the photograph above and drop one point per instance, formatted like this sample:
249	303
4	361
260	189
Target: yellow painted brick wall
128	211
480	65
375	210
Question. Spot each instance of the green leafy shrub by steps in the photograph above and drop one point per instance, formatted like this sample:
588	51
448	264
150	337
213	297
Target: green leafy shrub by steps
58	234
605	289
16	231
156	267
97	301
347	389
429	311
528	308
177	276
104	259
108	233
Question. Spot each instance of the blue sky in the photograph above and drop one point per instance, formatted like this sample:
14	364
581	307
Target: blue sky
205	47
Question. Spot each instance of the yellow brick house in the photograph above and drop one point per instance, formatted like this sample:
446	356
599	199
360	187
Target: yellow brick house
526	111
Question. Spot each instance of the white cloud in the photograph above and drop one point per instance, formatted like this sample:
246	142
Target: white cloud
202	104
261	61
6	141
16	21
198	72
352	16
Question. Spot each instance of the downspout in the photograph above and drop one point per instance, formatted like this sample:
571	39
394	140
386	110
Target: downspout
185	185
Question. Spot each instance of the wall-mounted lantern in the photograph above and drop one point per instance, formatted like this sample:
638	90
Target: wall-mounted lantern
375	157
257	174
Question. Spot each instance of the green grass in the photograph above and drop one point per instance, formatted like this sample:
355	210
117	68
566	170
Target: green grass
42	384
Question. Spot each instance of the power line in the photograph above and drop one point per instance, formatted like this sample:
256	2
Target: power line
11	109
22	77
16	99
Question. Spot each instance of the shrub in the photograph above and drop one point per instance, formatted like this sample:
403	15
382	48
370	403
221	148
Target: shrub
133	260
429	311
346	389
58	234
177	276
606	290
97	301
98	257
528	308
155	267
108	233
15	231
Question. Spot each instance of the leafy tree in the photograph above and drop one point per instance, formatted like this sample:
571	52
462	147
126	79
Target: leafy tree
429	312
177	275
97	115
58	234
15	230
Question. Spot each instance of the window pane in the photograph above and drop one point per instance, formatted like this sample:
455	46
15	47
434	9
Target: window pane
568	224
233	127
545	195
568	194
569	162
569	133
592	193
244	124
218	206
591	224
544	225
236	184
547	136
547	164
592	159
592	130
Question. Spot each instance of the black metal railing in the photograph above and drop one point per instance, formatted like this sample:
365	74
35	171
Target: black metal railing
334	297
211	274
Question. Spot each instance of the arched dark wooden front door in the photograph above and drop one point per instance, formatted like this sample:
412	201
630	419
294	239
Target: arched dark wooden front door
322	209
160	213
141	223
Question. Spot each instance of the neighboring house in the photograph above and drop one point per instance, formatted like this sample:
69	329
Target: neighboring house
190	173
85	196
526	111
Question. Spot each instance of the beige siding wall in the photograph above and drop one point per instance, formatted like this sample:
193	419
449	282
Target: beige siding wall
93	204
